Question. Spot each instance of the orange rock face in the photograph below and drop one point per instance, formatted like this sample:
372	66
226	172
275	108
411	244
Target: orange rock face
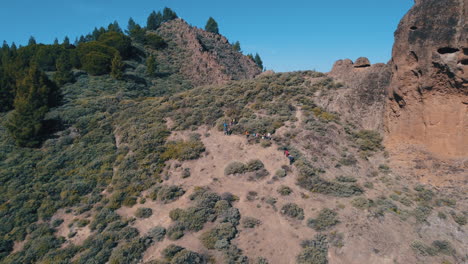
428	93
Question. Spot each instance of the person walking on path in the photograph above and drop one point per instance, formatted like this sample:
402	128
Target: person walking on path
286	152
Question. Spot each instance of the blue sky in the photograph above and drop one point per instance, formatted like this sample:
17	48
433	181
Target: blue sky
289	35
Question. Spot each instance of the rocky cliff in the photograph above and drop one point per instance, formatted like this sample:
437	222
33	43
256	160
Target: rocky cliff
428	94
204	57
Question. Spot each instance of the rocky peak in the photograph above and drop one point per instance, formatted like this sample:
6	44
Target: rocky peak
428	94
204	57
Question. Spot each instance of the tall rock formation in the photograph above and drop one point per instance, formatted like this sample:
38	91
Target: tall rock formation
428	94
204	58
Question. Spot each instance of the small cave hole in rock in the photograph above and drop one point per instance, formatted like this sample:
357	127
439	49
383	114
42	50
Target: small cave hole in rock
413	27
464	62
465	51
447	50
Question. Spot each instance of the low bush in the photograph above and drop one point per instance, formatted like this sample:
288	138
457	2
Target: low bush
362	203
143	212
157	233
444	247
170	251
254	165
280	173
183	150
314	251
175	231
186	173
422	212
167	193
326	219
235	168
224	231
422	249
293	210
284	190
155	41
250	222
186	256
458	218
346	179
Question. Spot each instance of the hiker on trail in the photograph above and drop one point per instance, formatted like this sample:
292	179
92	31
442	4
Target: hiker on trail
268	136
225	128
286	152
247	134
291	159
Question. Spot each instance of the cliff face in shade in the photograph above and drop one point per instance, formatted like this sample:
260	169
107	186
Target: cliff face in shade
428	94
203	57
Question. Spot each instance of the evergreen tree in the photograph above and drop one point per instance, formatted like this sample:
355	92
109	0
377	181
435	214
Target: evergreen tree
168	15
131	26
154	21
114	27
138	34
66	42
117	67
237	46
258	61
56	41
32	41
212	26
64	67
34	95
151	66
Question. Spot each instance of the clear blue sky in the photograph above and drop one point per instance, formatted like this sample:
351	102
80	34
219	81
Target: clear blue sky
289	35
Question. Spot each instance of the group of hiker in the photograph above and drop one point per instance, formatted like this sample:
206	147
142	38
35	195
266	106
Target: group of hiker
289	156
266	136
227	127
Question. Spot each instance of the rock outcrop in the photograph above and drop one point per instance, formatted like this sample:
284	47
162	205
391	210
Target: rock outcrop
363	97
428	95
203	57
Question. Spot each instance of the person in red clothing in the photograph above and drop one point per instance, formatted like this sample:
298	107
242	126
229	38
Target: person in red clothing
286	152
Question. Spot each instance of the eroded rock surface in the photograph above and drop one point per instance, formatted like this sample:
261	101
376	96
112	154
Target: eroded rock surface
428	94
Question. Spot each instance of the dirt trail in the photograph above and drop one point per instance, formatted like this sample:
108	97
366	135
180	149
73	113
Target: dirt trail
277	238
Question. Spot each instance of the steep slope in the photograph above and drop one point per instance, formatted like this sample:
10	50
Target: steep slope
428	94
203	57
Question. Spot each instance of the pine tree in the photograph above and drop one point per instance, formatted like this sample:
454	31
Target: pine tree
212	26
131	26
237	46
151	66
154	21
64	67
117	67
258	61
168	15
32	41
56	42
34	94
115	27
66	42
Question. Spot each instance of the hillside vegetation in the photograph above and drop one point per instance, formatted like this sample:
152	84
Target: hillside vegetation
127	162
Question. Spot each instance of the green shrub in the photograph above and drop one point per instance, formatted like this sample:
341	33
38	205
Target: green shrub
368	141
235	168
314	251
422	249
175	231
57	222
224	231
118	41
362	203
250	222
284	190
170	251
441	215
186	173
280	173
444	247
422	212
326	219
143	212
458	218
96	63
346	179
254	165
157	233
186	256
183	150
292	210
167	193
155	41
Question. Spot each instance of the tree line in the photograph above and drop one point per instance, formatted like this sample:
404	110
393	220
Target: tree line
26	88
